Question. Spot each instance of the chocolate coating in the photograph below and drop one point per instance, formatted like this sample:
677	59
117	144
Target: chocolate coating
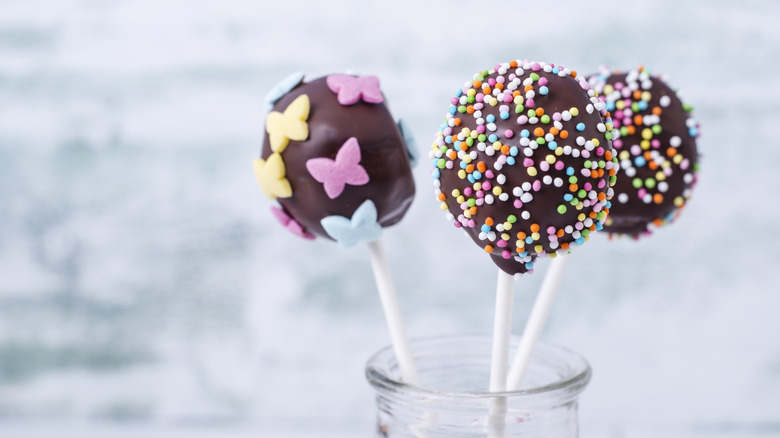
383	156
656	146
523	162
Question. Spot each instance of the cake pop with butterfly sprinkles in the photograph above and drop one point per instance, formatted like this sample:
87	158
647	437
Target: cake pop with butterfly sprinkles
523	162
334	159
656	147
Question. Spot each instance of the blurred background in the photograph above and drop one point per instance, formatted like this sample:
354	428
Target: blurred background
146	289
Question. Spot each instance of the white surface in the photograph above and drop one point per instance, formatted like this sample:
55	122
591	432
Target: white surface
142	278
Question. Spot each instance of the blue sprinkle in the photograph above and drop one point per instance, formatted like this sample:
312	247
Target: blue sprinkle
443	126
599	226
513	151
693	132
543	90
453	110
510	161
580	240
435	173
485	228
556	70
490	118
477	174
492	138
456	144
529	240
525	133
610	106
448	139
568	197
640	161
471	179
608	204
504	115
523	254
552	145
459	93
580	126
642	105
529	265
570	171
463	165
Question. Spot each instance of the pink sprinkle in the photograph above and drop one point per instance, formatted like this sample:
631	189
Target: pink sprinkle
503	108
457	224
556	115
536	67
602	183
579	226
508	98
480	194
684	164
492	82
543	81
627	121
454	101
509	134
464	206
616	123
626	92
506	254
478	106
528	162
489	173
449	165
585	154
587	186
668	171
597	207
501	160
544	166
501	243
584	85
518	203
529	102
655	143
468	191
641	193
440	141
559	165
447	131
479	202
585	172
481	129
636	150
619	86
472	224
551	230
600	151
522	120
486	185
537	185
479	98
627	114
617	143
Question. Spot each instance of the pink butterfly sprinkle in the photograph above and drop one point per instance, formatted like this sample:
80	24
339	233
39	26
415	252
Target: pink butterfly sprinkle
350	89
291	224
345	169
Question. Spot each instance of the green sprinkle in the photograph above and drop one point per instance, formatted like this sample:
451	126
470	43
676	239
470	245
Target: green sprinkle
608	135
519	109
511	219
441	164
573	179
482	137
462	109
687	107
602	164
656	129
649	183
635	107
588	164
540	140
585	232
471	99
637	183
470	141
535	77
531	113
574	201
545	119
471	202
561	209
623	131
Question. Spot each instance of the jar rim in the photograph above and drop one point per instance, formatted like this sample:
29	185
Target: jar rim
573	383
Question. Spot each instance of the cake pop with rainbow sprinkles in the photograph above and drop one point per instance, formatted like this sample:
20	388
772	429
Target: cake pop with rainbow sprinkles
523	162
655	144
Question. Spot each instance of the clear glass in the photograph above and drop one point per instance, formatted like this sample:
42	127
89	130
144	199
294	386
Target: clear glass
452	398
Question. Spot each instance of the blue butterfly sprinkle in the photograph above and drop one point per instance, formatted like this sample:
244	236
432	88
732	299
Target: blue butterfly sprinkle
282	88
362	227
411	145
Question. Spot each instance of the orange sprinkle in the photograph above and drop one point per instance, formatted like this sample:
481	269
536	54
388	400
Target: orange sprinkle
473	210
539	112
488	249
631	130
658	222
535	228
657	110
463	146
592	215
592	227
573	74
513	64
652	165
637	120
648	156
539	132
481	167
470	109
457	121
442	197
521	235
637	94
601	196
515	93
505	149
529	87
608	155
671	152
499	85
486	90
554	131
564	246
452	155
564	133
477	84
470	168
600	173
489	221
573	187
560	233
594	173
658	198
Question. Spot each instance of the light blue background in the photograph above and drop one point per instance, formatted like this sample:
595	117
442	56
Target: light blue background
144	282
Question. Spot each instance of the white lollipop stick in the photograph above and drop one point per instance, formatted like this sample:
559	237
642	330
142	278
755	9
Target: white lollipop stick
389	299
502	331
535	324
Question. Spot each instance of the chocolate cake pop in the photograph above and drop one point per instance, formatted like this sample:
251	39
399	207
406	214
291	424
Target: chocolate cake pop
523	162
334	159
656	146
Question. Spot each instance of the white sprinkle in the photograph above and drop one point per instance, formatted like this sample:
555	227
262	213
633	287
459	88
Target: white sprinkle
482	236
630	172
526	186
568	229
580	140
558	125
575	153
501	178
675	141
492	236
601	127
489	199
491	126
567	150
589	108
648	198
503	196
517	191
688	178
557	182
528	152
489	151
565	116
533	120
547	180
527	197
663	186
477	114
665	101
481	146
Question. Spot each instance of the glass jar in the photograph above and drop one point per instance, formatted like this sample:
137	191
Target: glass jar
451	398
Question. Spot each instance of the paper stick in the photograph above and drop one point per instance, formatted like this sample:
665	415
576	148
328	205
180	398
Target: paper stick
392	310
536	322
502	331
